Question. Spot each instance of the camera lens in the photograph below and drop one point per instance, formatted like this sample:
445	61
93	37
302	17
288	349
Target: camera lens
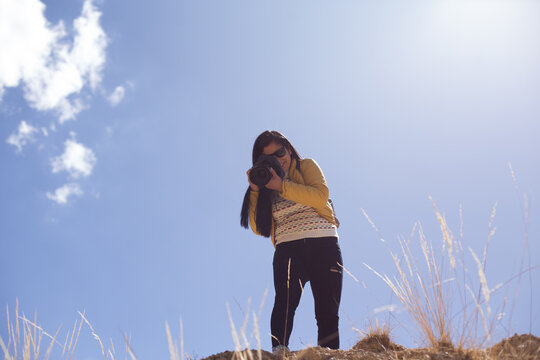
260	175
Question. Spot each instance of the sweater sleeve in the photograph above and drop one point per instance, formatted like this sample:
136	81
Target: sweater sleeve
313	193
253	197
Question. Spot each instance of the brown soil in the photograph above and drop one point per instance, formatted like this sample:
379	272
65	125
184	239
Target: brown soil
380	347
525	346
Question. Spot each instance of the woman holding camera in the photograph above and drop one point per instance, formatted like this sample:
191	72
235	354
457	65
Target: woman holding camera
294	210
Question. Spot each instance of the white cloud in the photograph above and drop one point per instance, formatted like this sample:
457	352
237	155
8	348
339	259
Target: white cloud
77	160
25	133
386	308
53	69
62	194
116	96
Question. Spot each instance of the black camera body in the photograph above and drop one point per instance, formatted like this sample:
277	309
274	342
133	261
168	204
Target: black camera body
260	173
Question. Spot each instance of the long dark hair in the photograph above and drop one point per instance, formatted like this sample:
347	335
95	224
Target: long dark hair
263	212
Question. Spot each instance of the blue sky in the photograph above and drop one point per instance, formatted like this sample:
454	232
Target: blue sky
127	130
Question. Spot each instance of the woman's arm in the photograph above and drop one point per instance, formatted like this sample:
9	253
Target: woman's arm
313	193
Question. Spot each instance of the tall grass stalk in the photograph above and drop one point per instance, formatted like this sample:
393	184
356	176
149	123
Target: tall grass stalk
238	338
175	352
524	206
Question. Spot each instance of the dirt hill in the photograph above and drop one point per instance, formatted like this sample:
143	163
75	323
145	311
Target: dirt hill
380	347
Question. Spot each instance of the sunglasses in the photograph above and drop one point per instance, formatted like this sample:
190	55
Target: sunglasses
279	153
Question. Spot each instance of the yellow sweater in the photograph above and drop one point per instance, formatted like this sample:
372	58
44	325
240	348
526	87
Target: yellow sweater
308	188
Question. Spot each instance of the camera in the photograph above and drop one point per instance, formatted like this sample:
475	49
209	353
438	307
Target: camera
260	173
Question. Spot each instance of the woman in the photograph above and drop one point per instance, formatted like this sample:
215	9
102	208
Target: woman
296	213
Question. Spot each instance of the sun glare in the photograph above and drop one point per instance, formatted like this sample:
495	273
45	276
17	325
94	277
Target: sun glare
493	23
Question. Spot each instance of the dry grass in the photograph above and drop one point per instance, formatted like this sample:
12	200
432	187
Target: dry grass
375	328
26	340
376	338
241	340
436	288
173	346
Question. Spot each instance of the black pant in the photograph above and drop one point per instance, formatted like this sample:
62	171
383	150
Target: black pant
296	262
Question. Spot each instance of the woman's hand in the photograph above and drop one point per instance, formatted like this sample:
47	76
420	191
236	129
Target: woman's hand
276	183
252	185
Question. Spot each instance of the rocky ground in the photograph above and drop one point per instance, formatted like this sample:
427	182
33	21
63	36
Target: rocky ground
380	347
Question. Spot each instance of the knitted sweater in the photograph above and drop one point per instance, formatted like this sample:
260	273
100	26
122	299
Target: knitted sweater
293	221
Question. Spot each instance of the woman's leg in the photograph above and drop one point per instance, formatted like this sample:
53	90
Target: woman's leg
289	280
326	276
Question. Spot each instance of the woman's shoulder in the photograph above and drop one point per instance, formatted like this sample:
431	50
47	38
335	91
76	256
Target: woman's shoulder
308	163
310	170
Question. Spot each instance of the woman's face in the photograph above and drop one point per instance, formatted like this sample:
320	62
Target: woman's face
276	149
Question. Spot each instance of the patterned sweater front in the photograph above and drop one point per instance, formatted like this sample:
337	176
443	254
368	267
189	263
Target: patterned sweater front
295	221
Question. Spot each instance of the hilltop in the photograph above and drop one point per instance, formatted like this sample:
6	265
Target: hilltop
380	347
